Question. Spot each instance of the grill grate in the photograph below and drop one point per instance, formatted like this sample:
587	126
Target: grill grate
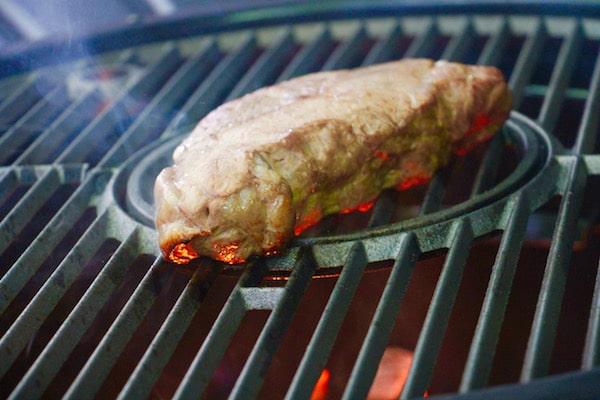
73	134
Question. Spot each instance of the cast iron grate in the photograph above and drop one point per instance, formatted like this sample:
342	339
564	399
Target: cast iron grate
77	133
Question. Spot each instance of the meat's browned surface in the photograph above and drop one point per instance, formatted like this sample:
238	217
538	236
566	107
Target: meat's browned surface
257	169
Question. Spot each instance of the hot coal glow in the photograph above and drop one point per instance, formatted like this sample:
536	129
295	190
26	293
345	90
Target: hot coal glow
391	374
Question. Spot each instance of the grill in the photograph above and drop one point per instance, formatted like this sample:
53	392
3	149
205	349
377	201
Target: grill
487	275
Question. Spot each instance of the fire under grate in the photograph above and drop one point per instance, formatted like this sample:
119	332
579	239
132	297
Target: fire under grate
87	308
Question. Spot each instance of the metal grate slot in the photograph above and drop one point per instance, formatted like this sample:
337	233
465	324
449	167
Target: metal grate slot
54	138
559	80
421	45
309	57
214	88
151	122
54	326
162	347
264	70
24	131
349	53
72	214
485	338
382	323
97	138
44	182
23	99
436	321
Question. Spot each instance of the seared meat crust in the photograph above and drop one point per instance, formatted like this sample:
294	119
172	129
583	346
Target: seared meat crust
258	169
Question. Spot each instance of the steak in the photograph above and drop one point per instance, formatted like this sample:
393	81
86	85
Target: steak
259	169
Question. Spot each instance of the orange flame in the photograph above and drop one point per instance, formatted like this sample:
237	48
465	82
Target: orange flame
480	122
321	387
227	252
413	181
391	374
182	254
364	207
309	220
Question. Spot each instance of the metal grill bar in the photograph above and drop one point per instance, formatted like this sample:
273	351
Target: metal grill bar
47	365
150	123
488	169
98	366
252	376
25	130
588	129
213	88
348	52
423	43
19	334
113	119
441	306
560	78
382	324
22	100
483	346
543	331
29	262
160	350
308	58
383	50
323	338
264	70
53	138
459	43
207	359
26	208
494	48
591	350
584	144
526	62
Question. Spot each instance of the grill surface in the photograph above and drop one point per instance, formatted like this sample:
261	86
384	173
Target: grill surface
87	308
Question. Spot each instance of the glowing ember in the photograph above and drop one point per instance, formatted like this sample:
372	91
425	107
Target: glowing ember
322	386
362	207
182	254
391	374
311	219
480	122
227	252
414	181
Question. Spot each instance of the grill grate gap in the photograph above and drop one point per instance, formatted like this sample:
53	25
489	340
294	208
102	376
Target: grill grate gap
288	356
54	320
572	324
545	62
9	202
15	106
520	309
98	327
48	266
168	290
194	336
35	225
55	138
450	363
230	367
354	329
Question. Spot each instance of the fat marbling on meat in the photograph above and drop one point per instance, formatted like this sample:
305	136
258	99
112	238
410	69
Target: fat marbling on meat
261	168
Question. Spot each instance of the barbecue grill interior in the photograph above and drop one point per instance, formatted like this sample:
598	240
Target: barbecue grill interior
485	276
